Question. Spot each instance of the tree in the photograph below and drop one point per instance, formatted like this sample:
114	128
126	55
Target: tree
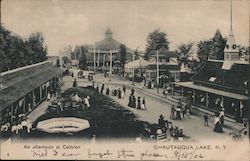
205	47
155	41
17	52
38	50
82	58
123	53
185	52
218	46
244	53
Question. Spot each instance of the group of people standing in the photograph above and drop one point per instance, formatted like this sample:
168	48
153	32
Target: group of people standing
141	104
167	128
115	91
181	111
21	128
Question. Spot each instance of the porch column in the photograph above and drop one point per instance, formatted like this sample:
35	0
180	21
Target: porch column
103	63
40	93
182	91
11	115
98	58
33	99
172	90
193	96
24	105
207	100
110	65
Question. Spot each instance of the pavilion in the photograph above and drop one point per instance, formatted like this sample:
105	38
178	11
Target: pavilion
101	51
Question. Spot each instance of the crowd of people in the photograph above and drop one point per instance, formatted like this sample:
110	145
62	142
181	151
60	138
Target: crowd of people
20	128
181	111
73	102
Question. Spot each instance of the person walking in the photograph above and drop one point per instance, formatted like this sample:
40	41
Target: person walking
102	87
139	103
217	124
205	116
97	88
119	93
172	112
130	100
122	94
178	113
134	101
74	83
222	115
124	90
143	106
184	111
107	90
132	91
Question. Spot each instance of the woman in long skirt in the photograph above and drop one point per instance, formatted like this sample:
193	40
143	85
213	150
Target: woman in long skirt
217	127
139	103
143	106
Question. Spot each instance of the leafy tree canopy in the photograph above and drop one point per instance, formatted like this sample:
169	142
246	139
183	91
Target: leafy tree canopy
155	41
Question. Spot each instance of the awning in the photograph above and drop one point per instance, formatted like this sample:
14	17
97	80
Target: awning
212	90
139	63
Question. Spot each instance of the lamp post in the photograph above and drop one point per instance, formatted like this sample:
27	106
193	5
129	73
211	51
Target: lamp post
94	58
110	65
133	70
157	68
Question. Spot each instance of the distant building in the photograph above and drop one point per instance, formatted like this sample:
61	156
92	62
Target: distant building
102	50
221	84
169	69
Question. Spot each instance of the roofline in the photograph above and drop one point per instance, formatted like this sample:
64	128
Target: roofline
21	68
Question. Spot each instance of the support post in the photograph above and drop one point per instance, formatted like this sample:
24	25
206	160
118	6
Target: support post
94	59
103	64
110	65
157	79
98	58
11	115
207	100
194	96
133	70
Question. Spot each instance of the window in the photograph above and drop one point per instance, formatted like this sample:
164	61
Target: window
212	79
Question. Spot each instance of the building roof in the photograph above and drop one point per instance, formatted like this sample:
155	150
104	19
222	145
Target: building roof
212	74
164	66
139	63
107	44
108	31
19	83
212	90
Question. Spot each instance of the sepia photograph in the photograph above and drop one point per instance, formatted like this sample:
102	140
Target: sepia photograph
125	80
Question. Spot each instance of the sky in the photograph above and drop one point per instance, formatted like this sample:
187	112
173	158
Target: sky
76	22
